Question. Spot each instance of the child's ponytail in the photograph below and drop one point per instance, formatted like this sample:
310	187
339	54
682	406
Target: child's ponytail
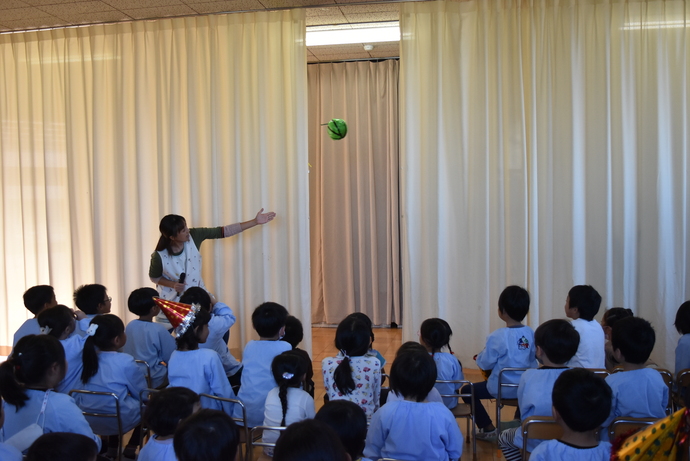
189	340
55	320
102	331
288	370
353	338
31	358
435	333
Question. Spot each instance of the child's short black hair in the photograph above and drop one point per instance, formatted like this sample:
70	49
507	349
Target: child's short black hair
514	301
62	446
586	299
308	440
682	322
613	315
140	301
268	318
37	297
413	375
582	399
57	319
88	297
197	295
558	339
435	333
409	346
635	338
349	421
168	407
294	332
207	435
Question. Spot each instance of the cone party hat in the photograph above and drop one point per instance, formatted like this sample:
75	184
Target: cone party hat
180	315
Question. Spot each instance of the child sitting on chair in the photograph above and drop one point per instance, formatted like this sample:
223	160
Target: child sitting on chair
207	435
581	403
348	420
36	300
581	305
556	342
509	347
638	392
395	428
164	412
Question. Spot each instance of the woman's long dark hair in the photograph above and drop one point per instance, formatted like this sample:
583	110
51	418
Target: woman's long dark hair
57	318
353	338
32	357
190	339
109	327
288	369
170	226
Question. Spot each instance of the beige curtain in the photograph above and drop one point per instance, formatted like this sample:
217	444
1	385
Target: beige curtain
544	143
107	128
354	192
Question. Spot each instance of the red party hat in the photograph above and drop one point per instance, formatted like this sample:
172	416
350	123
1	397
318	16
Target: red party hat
180	315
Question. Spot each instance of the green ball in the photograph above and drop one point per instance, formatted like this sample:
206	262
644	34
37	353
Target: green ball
337	129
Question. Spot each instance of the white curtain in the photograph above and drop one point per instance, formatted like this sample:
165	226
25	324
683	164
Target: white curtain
544	143
354	210
107	128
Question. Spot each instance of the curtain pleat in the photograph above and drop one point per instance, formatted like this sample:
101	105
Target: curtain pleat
354	207
544	143
107	128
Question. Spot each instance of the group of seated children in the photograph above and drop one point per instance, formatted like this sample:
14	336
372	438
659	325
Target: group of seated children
81	351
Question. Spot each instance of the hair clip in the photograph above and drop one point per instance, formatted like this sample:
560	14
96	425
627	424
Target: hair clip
45	330
344	354
92	329
19	355
287	375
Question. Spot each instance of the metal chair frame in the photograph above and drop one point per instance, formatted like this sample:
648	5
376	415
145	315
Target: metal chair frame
458	410
682	386
257	432
245	430
144	396
117	415
623	424
148	371
549	426
500	401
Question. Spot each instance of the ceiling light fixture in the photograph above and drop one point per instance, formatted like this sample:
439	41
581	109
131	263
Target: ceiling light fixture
353	33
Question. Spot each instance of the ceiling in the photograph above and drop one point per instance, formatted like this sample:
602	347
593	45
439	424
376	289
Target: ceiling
19	15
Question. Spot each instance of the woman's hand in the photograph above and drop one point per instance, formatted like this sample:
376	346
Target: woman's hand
263	218
179	287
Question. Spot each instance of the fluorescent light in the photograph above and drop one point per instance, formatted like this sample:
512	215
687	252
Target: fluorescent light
654	25
350	34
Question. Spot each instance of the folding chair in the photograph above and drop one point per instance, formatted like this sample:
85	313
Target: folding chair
668	379
682	388
541	428
244	430
144	397
385	390
120	448
500	401
624	424
256	434
147	375
464	410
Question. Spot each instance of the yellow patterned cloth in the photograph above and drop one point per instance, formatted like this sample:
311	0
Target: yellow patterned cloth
658	441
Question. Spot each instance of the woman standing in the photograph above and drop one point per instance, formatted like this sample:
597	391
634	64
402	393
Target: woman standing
176	263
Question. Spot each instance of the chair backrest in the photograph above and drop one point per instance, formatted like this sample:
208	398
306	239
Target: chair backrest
461	383
601	372
683	386
147	375
541	428
115	415
244	430
503	385
625	424
667	376
256	440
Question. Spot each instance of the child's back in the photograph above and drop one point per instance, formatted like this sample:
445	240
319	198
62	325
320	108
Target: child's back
268	320
36	300
148	341
434	335
638	392
119	374
412	428
581	305
201	371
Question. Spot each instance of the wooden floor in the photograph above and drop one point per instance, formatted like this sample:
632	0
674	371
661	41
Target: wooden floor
387	343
